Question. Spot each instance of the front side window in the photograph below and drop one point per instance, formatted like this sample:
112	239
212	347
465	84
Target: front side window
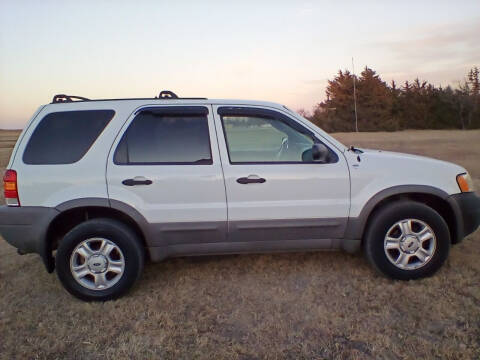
65	137
165	138
264	137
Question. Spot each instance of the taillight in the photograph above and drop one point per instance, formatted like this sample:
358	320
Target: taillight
10	188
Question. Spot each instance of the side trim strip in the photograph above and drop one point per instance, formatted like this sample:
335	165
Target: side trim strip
286	229
241	236
297	223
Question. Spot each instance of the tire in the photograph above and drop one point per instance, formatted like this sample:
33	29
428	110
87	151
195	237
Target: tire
404	235
99	249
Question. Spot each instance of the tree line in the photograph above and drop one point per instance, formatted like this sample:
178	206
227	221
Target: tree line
390	107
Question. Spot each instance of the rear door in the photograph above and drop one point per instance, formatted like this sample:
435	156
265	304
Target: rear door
165	164
276	192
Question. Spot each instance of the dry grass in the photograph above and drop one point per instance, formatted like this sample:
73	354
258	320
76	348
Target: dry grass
314	305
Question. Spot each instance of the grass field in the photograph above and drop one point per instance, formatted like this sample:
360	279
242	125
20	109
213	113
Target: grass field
309	305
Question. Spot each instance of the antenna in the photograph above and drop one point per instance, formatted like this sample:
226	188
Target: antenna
354	97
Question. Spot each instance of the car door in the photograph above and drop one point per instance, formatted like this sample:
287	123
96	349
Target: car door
165	164
276	192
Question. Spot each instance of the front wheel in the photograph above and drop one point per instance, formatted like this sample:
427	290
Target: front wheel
99	259
407	240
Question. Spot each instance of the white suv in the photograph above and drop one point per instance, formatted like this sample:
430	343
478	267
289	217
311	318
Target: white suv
107	183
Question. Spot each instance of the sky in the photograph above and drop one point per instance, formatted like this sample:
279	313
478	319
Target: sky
281	51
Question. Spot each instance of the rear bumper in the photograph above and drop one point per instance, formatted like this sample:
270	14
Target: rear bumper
467	212
26	227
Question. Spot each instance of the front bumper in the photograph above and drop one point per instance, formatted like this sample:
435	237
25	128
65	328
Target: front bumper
466	207
26	228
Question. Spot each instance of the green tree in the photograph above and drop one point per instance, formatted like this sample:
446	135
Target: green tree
473	78
415	105
374	103
443	111
474	81
465	105
337	112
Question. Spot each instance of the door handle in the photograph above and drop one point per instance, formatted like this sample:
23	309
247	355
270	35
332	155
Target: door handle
251	179
137	180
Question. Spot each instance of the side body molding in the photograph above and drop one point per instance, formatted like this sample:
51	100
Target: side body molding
158	237
174	239
166	240
356	226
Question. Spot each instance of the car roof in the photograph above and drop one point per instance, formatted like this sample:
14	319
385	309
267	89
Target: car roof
180	101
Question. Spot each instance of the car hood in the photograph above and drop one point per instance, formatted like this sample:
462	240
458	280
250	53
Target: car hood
393	169
397	156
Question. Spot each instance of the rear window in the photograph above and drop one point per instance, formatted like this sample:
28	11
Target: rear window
163	138
65	137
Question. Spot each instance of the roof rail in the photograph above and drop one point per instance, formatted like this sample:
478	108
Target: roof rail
167	94
163	95
67	98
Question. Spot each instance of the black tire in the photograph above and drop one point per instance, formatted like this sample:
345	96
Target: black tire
116	232
384	218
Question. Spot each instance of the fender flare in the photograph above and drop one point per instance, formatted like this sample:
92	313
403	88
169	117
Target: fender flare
44	247
356	226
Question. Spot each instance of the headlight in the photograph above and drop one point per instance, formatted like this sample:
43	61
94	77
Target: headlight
465	182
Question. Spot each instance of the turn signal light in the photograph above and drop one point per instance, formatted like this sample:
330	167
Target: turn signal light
465	182
10	188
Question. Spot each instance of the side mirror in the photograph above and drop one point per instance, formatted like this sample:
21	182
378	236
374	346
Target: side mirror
320	153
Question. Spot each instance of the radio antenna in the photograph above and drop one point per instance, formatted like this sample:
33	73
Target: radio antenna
354	97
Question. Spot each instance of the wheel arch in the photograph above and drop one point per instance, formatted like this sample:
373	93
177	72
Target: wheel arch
74	212
436	198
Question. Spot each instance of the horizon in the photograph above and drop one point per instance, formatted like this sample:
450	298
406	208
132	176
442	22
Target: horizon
271	51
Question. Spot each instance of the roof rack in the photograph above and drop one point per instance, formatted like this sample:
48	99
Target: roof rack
167	94
67	98
164	95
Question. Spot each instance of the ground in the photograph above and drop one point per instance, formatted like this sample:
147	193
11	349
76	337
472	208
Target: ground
307	305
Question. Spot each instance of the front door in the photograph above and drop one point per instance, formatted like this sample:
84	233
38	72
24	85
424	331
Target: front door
165	164
277	195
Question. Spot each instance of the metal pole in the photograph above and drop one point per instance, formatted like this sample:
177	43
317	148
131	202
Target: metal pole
355	97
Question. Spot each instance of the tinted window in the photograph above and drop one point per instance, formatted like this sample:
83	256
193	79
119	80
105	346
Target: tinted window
165	138
65	137
254	139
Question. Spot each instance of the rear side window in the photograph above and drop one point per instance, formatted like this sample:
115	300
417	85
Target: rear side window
65	137
166	137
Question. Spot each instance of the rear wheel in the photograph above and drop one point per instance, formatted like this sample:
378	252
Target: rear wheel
99	259
407	240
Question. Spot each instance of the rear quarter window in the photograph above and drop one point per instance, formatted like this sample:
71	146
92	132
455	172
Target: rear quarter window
65	137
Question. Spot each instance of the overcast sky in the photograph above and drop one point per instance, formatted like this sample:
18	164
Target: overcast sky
282	51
